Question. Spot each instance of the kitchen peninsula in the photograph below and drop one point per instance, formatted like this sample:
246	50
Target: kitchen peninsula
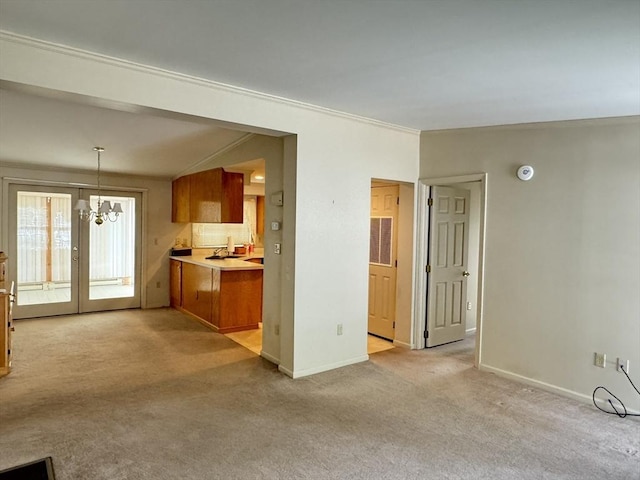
223	294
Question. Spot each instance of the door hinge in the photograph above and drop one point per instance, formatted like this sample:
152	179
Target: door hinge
430	202
426	334
396	263
394	324
397	200
427	269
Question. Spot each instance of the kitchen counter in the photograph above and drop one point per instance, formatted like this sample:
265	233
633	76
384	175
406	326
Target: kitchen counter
226	264
224	295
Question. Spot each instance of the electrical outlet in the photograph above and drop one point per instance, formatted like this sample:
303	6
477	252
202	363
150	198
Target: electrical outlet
339	329
600	359
622	363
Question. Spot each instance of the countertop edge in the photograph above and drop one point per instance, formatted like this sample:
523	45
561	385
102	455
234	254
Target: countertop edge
228	264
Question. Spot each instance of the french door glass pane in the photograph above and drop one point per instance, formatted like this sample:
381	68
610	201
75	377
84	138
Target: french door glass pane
112	251
43	247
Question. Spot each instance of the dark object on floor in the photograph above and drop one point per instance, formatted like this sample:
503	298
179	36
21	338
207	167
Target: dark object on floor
38	470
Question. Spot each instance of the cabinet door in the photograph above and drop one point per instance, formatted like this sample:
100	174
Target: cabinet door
176	283
196	290
180	199
216	196
260	215
206	196
232	197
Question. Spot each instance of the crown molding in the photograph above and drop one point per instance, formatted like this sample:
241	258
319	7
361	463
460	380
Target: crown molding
223	87
209	158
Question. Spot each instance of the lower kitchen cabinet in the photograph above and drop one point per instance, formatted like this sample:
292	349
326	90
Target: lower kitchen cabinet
225	300
175	281
237	300
197	290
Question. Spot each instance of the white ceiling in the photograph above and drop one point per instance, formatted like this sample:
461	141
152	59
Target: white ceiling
44	131
429	64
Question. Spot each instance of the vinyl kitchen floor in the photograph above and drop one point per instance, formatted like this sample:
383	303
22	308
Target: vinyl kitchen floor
252	339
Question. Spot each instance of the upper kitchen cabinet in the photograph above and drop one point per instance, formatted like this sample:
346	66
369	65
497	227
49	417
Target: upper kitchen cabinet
212	196
180	200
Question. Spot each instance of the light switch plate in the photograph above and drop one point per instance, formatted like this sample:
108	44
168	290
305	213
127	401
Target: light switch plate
276	248
276	198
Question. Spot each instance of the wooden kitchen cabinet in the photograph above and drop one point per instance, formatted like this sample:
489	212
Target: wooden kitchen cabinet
197	291
260	215
211	196
225	299
175	280
180	194
6	317
237	300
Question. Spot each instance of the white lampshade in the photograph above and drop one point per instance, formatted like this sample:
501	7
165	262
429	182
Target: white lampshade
117	208
83	205
105	207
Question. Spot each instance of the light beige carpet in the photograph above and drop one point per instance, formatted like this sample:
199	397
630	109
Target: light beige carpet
155	395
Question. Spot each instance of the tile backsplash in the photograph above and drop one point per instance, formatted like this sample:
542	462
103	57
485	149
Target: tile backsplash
215	234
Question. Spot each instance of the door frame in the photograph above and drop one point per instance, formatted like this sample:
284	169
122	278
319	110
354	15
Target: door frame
422	248
4	230
85	304
394	249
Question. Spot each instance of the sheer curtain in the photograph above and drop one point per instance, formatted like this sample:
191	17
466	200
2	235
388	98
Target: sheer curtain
44	227
112	244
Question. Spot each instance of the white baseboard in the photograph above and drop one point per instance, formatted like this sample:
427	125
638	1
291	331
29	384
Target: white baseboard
398	343
543	385
470	330
324	368
269	357
536	383
286	371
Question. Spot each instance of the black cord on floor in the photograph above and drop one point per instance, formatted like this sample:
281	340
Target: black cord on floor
623	410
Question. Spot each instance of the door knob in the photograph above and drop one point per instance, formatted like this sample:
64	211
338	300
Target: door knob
465	274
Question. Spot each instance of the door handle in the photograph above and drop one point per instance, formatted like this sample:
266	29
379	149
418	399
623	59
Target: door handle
74	258
465	274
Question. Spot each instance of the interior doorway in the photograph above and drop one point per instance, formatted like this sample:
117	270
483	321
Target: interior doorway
449	267
63	265
471	301
391	263
383	263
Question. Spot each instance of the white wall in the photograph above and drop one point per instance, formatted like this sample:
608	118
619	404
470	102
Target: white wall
474	251
562	271
157	221
335	159
271	149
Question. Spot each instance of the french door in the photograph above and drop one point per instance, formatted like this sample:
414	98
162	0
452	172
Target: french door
62	264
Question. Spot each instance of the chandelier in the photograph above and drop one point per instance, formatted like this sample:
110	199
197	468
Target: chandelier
105	210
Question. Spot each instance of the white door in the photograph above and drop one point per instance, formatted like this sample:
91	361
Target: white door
62	265
43	250
110	257
448	263
382	261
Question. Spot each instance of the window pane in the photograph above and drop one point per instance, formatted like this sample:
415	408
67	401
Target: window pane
374	241
43	248
112	251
